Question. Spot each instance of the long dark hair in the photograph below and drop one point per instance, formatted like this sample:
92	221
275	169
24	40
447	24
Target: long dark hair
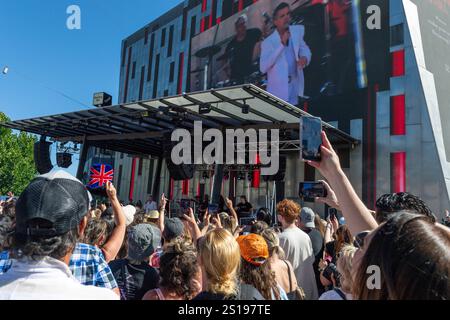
413	255
262	278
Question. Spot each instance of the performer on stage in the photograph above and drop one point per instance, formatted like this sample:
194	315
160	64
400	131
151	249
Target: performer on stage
284	55
241	50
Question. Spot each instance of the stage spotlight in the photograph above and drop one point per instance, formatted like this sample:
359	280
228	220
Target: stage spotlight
245	109
64	159
204	108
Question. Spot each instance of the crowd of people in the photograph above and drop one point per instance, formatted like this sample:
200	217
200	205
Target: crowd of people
53	245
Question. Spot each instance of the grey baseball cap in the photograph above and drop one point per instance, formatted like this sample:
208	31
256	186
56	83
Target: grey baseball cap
307	215
143	239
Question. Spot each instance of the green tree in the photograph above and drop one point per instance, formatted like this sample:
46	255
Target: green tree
17	167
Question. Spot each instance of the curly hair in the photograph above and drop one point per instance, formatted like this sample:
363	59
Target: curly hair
95	233
178	268
389	204
262	278
37	247
289	210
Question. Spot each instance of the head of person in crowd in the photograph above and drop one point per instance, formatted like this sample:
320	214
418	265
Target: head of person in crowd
288	211
139	205
51	215
389	204
6	225
227	222
258	227
320	224
263	214
342	237
96	232
412	258
243	199
151	217
143	239
241	26
344	267
179	270
306	219
255	266
9	209
273	243
219	258
173	228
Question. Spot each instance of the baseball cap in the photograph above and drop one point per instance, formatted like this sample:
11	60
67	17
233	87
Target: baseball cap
241	19
143	239
173	227
254	248
152	214
58	199
129	212
307	216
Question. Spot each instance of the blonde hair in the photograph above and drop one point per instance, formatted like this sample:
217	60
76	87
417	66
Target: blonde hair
344	265
273	242
220	256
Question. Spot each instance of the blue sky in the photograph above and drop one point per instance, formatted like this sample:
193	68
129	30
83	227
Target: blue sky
41	52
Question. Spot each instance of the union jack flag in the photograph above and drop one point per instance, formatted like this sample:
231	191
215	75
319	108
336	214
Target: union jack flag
100	174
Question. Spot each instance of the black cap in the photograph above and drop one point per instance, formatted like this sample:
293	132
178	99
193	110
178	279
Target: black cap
58	200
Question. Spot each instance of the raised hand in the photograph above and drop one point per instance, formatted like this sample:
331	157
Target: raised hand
111	191
331	198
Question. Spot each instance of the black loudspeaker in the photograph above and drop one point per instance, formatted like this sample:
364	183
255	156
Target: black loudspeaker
279	176
177	172
42	157
63	159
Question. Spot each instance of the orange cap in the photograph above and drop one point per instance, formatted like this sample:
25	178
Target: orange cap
254	248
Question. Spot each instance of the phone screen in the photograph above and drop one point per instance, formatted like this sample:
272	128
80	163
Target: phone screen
308	191
310	136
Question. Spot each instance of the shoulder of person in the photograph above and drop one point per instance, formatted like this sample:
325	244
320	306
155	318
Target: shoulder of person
115	264
97	293
298	28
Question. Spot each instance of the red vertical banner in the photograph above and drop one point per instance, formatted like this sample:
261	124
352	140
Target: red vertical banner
133	173
204	5
185	188
256	173
398	63
398	172
398	115
198	190
241	5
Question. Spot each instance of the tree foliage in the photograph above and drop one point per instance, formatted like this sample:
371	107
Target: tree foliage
17	167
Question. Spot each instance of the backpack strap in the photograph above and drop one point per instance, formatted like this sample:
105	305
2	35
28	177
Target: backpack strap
340	293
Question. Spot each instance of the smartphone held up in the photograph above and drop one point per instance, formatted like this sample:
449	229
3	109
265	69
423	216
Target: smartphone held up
310	138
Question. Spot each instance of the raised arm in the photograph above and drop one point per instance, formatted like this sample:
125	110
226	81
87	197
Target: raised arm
269	55
233	213
112	247
162	209
355	212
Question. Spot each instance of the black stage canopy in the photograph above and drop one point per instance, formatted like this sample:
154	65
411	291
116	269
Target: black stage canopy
139	128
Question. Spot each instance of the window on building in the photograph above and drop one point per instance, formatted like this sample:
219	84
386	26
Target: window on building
183	26
163	37
172	72
155	78
397	35
141	83
150	57
193	26
169	49
133	70
166	92
146	36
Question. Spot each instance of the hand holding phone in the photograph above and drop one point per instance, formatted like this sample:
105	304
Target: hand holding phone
311	138
309	191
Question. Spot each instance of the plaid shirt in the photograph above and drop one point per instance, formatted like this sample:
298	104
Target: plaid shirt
90	268
5	262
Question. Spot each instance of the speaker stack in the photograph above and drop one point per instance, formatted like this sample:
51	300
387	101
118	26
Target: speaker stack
42	156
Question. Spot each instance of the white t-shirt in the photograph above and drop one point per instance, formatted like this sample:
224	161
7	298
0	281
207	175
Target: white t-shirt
47	279
298	249
150	206
333	295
